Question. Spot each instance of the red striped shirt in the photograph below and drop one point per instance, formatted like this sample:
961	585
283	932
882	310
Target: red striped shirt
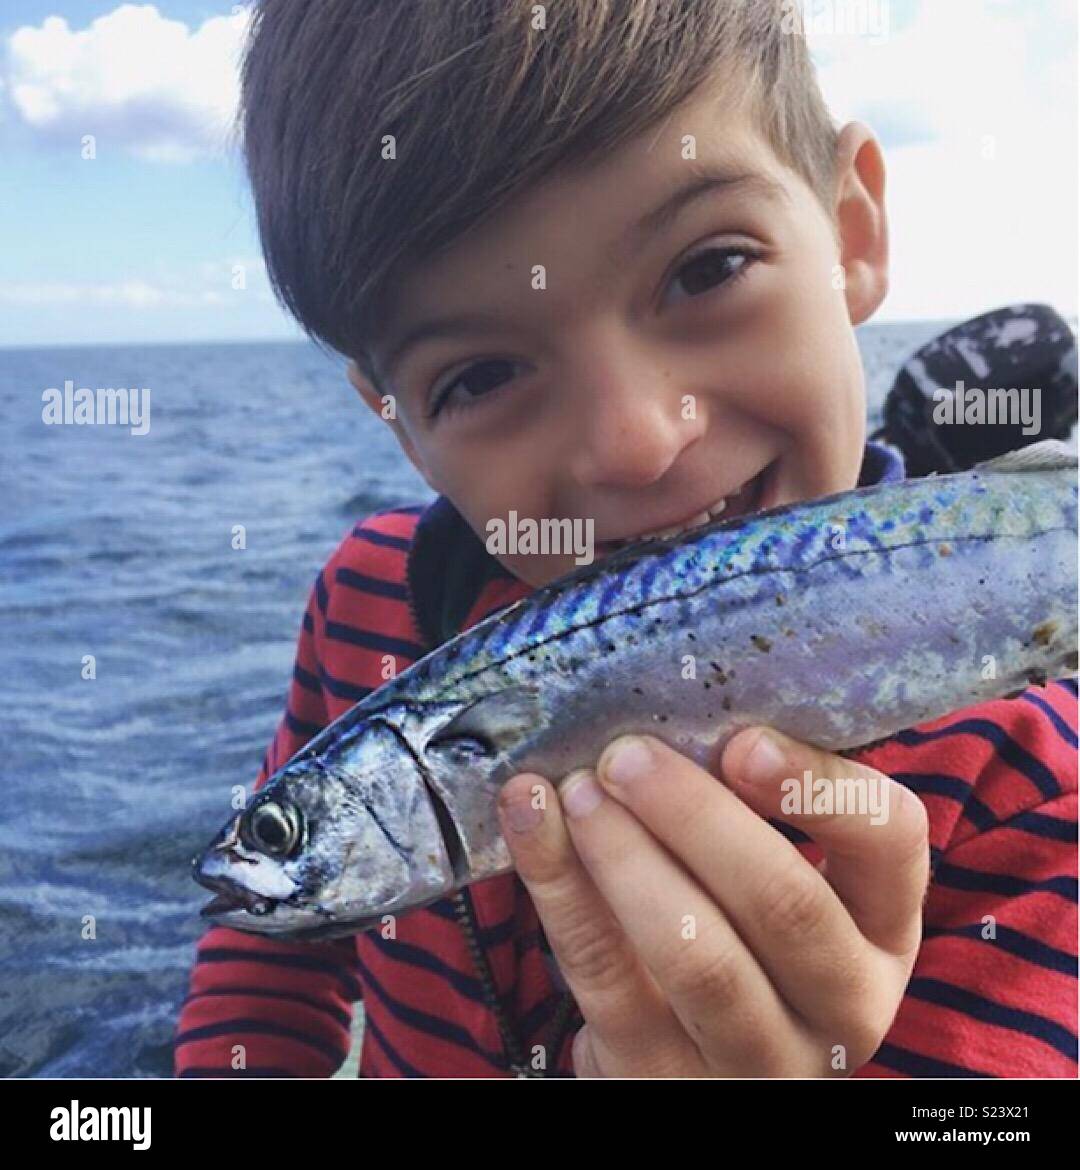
993	993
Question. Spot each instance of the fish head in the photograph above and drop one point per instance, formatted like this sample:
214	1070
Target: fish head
342	835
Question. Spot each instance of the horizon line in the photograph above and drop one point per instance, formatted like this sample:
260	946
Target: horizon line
194	341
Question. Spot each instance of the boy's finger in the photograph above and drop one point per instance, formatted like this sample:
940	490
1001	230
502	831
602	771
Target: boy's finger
676	919
802	949
872	829
613	990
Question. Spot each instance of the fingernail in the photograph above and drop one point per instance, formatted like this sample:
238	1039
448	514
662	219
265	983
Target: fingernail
522	815
580	794
629	759
764	761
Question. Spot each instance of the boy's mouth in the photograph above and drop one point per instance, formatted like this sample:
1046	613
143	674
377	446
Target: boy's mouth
750	496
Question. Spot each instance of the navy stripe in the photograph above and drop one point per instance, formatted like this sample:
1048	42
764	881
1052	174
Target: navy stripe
373	585
988	1011
308	623
1070	684
369	640
412	957
1060	726
341	689
1040	825
338	1015
308	681
953	788
380	538
1008	750
195	1072
404	510
422	1021
914	1064
444	909
1033	950
533	1021
493	935
291	962
242	1025
399	1062
300	727
498	933
958	877
321	596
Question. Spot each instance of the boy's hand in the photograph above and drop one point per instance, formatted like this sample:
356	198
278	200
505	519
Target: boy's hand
695	938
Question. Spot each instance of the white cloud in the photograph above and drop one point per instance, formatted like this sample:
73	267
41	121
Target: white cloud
133	77
208	283
975	104
957	65
132	294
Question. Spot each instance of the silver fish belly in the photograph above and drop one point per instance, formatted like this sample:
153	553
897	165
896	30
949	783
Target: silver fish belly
838	621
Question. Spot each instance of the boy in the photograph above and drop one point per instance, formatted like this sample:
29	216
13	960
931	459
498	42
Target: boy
639	222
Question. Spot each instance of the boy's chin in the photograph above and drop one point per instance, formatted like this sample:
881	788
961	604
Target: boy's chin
771	489
539	570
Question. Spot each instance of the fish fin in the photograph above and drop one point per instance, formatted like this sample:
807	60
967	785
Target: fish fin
500	719
1044	456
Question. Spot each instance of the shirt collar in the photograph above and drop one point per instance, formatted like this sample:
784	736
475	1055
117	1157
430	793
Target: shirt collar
882	463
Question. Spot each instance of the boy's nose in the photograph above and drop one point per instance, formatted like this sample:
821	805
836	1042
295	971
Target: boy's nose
627	433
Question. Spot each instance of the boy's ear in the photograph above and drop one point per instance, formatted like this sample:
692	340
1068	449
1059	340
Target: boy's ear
861	219
386	410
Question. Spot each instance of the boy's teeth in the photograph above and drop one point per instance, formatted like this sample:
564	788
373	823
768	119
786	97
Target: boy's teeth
675	529
711	513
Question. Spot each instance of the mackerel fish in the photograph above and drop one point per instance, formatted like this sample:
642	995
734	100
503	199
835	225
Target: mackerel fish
838	621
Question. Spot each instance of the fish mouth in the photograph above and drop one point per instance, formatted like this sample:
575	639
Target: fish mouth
229	896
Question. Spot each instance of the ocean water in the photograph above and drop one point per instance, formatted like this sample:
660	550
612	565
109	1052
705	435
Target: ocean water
121	547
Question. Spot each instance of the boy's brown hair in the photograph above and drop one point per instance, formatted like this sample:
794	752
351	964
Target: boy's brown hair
482	97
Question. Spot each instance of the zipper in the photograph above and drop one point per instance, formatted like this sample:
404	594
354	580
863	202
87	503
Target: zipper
462	904
512	1046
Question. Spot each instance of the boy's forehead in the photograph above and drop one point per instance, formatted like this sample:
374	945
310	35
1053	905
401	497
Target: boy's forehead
605	209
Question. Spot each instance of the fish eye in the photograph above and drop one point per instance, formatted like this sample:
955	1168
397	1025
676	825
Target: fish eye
272	828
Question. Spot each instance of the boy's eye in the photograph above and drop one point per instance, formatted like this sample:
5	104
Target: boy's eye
706	270
479	380
712	267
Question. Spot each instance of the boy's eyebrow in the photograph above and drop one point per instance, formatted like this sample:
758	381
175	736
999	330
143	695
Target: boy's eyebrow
708	180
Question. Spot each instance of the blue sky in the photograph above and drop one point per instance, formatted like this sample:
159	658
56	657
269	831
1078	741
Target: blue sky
974	101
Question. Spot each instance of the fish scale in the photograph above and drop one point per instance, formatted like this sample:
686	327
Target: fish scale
714	556
839	621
